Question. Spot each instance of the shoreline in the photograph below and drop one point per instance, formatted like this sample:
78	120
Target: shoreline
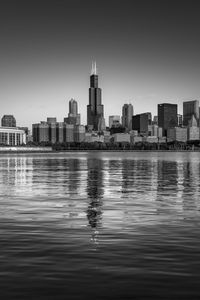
48	151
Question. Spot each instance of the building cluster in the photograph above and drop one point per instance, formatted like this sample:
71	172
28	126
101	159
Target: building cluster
166	126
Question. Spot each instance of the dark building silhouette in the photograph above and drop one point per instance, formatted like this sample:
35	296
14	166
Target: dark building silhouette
95	110
167	116
8	121
190	108
140	123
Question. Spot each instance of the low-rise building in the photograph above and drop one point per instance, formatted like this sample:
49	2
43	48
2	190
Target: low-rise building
121	138
150	139
12	136
193	133
136	139
177	134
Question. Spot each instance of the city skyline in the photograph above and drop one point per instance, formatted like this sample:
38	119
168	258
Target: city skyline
147	53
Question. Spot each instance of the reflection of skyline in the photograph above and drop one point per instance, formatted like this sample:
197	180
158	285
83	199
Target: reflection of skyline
95	192
123	191
190	193
18	172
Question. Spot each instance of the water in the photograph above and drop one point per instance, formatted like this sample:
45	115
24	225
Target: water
100	225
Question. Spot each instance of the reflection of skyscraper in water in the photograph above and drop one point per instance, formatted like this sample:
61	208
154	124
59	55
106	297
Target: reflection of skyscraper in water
167	186
131	180
18	172
64	173
95	191
74	175
191	188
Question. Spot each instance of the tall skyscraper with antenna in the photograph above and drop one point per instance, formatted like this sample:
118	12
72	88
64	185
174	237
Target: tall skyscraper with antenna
95	110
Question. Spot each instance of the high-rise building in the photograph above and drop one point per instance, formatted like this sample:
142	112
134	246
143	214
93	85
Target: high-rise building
114	121
140	123
190	108
127	114
40	132
73	116
69	133
79	133
180	120
155	120
95	109
8	121
167	116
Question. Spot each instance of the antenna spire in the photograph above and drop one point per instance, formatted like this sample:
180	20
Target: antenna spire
94	68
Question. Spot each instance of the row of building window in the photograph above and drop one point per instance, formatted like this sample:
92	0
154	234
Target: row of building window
11	139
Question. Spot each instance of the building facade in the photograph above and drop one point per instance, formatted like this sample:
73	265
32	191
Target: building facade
190	108
167	116
8	121
95	109
177	134
140	123
12	136
73	116
127	114
114	121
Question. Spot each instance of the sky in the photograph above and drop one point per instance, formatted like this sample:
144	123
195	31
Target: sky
147	52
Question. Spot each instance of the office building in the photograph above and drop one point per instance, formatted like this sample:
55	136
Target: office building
127	114
177	134
40	132
149	118
95	109
154	130
73	116
140	123
193	133
121	138
114	121
101	124
79	133
190	108
180	120
193	129
68	133
8	121
12	136
60	132
155	120
51	120
167	116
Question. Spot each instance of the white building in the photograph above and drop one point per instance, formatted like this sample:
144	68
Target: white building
12	136
121	138
193	133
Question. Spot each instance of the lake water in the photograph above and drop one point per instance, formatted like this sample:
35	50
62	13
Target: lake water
100	225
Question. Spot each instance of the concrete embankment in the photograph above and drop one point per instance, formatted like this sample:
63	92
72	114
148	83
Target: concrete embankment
25	149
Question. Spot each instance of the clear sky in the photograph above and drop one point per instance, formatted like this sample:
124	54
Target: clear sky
147	52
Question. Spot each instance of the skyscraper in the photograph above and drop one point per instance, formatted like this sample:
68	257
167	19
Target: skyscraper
190	108
95	110
127	114
167	116
140	123
8	121
73	116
